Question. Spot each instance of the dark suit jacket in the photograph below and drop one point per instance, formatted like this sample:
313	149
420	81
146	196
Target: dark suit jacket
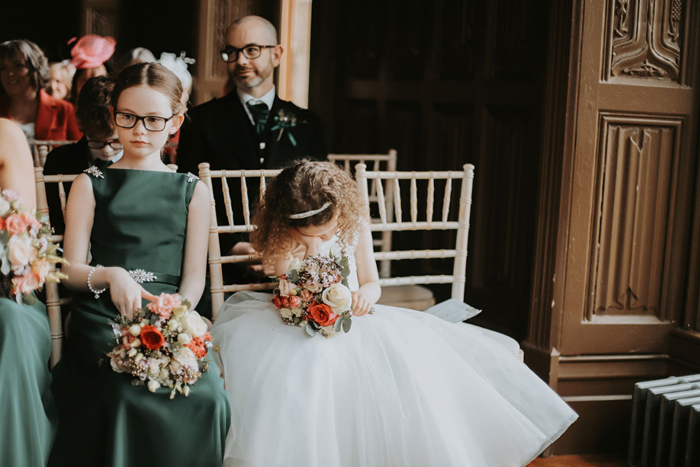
69	159
55	119
220	132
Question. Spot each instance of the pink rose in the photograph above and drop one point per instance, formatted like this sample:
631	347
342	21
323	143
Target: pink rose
163	304
19	251
306	295
285	288
26	283
15	224
294	301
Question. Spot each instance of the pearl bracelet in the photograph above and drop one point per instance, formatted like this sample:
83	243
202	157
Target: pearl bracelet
89	284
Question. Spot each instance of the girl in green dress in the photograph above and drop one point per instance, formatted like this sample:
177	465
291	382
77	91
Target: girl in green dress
27	413
134	230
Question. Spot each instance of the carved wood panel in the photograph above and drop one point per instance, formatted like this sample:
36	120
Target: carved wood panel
637	179
645	38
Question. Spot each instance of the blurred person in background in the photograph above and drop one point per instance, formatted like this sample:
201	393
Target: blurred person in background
24	73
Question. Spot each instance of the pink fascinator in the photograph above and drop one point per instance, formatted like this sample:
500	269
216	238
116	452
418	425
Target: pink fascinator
91	51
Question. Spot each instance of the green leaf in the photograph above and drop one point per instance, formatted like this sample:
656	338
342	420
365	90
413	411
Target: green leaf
187	303
338	324
310	329
293	276
4	236
28	299
347	323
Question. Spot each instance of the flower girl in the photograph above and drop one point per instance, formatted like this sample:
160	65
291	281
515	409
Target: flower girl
134	229
398	388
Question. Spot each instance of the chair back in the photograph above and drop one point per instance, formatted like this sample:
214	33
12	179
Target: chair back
53	300
241	179
393	219
385	162
41	149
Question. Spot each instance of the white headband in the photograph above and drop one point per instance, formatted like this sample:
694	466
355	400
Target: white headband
304	215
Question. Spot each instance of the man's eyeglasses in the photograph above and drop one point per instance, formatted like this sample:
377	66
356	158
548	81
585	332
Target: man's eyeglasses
251	51
116	145
150	122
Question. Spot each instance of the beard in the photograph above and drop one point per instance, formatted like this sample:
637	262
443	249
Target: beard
254	80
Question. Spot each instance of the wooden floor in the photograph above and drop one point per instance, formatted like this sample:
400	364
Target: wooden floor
579	461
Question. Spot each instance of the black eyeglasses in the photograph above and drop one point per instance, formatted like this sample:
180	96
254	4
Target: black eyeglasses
250	51
150	122
116	145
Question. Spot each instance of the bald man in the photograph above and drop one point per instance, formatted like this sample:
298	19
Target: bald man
250	127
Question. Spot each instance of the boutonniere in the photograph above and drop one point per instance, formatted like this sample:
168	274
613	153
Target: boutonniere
285	121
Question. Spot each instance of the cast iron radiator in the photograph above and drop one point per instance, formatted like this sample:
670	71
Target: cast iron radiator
665	429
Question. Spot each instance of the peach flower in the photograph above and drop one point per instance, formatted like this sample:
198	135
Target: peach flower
285	288
26	283
294	301
163	304
15	224
19	251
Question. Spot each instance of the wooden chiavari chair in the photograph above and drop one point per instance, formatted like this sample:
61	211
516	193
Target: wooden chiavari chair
216	260
53	300
426	221
386	162
41	149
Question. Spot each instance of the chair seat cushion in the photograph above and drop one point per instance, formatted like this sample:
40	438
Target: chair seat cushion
415	297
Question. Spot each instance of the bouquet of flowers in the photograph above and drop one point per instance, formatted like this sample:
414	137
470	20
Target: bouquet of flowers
27	256
313	294
164	344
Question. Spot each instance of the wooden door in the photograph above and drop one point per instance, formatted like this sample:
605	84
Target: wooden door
632	176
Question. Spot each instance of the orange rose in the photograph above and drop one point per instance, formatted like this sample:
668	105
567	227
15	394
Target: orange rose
2	223
15	224
322	314
277	301
151	337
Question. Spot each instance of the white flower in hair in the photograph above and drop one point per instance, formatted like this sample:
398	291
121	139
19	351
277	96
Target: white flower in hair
178	65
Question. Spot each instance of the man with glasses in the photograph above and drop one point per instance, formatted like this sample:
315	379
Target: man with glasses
250	127
99	145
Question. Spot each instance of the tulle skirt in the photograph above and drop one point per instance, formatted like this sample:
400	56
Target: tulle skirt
402	388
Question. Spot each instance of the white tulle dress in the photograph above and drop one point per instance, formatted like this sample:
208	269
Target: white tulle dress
402	388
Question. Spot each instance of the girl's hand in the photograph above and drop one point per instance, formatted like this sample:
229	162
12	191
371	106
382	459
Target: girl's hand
312	244
361	305
125	292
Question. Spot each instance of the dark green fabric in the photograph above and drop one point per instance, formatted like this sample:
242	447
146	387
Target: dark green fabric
28	418
260	113
140	223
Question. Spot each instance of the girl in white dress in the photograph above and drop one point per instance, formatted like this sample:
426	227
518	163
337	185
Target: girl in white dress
401	388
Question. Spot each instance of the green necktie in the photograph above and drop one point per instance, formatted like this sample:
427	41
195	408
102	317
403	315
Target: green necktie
260	113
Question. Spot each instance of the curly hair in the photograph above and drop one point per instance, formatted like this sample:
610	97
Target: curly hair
302	187
92	112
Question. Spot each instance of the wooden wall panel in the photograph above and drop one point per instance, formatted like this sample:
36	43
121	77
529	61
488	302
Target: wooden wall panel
644	39
637	177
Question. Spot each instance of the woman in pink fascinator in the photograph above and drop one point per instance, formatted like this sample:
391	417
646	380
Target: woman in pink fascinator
89	54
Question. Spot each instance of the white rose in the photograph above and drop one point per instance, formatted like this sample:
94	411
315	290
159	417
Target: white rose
286	312
135	330
193	324
183	338
295	264
115	365
173	325
338	297
19	250
285	288
179	311
153	385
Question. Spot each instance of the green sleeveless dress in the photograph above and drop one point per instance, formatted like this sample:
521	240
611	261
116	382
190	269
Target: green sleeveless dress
28	417
140	224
